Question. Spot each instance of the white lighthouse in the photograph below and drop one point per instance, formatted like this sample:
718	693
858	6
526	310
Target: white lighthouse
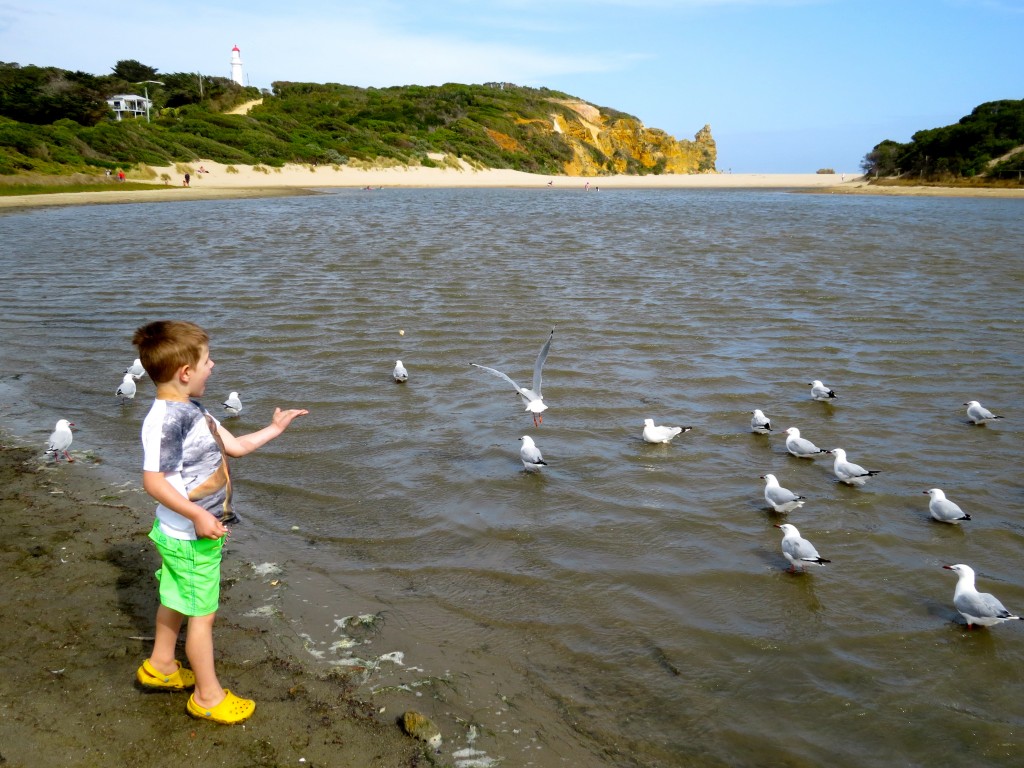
236	66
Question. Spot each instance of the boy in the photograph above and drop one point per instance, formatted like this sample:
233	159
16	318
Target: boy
185	471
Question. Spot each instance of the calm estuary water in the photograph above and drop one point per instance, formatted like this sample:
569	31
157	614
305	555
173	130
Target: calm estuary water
628	605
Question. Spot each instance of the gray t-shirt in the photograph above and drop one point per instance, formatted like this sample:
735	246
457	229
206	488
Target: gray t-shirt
177	441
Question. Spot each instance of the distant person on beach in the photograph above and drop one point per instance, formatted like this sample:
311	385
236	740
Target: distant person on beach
187	177
202	169
120	175
185	470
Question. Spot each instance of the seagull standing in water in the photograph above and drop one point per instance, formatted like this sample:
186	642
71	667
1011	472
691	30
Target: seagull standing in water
944	510
760	423
978	413
976	607
798	550
801	447
400	375
126	390
530	455
848	472
780	499
136	369
60	440
820	392
659	434
533	398
233	405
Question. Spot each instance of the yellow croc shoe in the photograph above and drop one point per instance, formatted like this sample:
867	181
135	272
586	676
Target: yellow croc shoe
179	680
233	709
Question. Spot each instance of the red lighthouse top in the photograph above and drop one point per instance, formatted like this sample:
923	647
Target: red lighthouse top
236	49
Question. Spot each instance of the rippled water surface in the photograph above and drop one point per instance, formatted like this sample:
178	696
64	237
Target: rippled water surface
629	604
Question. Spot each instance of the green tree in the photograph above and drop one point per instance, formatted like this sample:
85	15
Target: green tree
133	71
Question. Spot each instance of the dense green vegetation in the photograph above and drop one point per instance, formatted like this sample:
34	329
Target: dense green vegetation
55	121
987	143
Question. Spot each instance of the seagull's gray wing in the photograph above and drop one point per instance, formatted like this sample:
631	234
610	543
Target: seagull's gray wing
500	375
539	365
779	495
981	605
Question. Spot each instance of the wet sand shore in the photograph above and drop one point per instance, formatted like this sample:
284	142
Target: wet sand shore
78	603
231	182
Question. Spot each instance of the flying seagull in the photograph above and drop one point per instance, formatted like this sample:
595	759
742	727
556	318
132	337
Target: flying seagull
533	398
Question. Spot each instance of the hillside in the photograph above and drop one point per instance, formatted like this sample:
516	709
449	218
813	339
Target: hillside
495	125
985	144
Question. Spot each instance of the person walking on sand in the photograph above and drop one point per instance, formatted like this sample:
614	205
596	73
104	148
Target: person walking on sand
187	177
185	470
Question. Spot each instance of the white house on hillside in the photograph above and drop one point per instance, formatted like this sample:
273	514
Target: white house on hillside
129	104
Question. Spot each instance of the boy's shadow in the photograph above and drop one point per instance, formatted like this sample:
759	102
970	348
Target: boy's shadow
136	585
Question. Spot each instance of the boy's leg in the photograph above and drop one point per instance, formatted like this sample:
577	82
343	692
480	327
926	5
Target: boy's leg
168	626
199	649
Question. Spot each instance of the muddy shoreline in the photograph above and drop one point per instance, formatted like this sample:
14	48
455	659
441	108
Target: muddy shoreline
78	606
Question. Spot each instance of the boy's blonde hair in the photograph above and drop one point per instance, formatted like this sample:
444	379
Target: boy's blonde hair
167	345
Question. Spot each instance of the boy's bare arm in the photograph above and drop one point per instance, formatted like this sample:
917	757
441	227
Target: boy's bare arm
207	525
240	446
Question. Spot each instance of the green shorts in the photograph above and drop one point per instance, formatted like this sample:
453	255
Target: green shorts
189	573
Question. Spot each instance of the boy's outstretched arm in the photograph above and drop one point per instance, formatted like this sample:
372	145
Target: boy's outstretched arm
240	446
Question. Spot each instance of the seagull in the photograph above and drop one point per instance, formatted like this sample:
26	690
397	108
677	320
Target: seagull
760	423
126	390
399	374
800	447
799	551
530	454
659	434
944	510
533	399
977	607
978	413
233	405
60	440
780	499
848	472
136	369
820	392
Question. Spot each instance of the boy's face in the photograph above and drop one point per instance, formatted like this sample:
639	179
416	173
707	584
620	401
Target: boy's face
199	374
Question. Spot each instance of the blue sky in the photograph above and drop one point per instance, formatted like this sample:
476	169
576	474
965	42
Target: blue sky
788	86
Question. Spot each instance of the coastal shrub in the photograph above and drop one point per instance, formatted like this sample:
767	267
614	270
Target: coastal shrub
826	171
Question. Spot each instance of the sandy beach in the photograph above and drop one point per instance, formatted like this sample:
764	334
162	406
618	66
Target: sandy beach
221	181
78	606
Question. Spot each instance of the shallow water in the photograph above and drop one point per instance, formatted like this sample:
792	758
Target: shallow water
629	604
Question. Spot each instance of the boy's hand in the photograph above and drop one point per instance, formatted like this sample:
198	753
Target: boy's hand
209	527
283	418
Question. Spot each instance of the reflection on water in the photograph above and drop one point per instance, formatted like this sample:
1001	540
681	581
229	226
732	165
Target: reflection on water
628	603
